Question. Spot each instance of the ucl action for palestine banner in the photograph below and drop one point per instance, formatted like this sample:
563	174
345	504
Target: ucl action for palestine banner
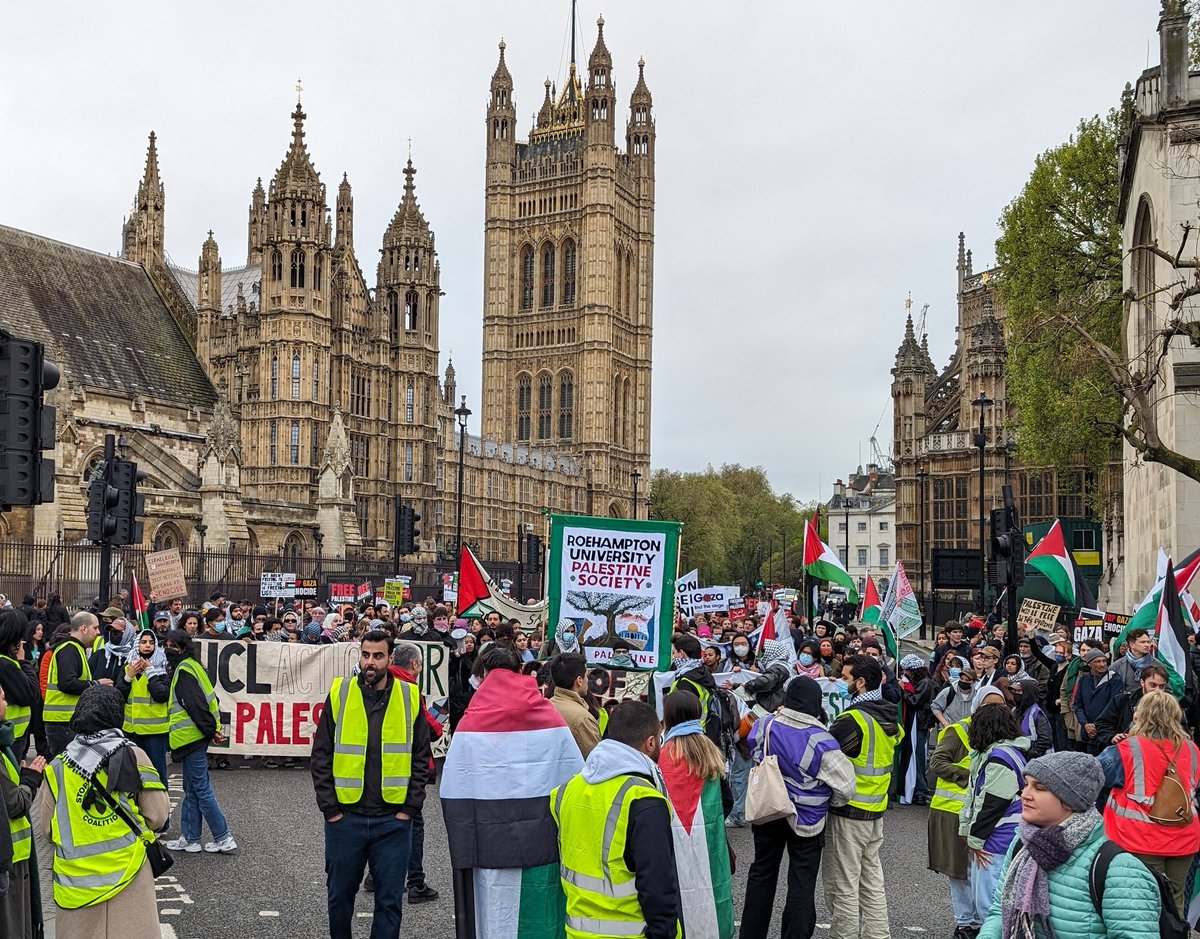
614	580
271	693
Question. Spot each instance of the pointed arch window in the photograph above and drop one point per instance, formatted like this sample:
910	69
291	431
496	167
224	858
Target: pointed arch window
276	265
274	377
297	267
527	278
296	377
616	412
617	283
629	306
273	439
409	402
568	289
393	313
294	443
566	405
524	404
626	414
1142	263
316	377
548	275
318	264
410	310
545	406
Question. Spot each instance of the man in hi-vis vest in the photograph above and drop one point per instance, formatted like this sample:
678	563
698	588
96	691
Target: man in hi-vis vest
69	676
868	733
370	764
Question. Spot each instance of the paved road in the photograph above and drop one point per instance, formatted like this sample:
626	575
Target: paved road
274	887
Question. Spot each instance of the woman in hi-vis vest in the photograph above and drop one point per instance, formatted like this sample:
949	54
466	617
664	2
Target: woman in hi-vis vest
103	885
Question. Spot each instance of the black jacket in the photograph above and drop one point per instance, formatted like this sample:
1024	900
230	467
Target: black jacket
767	688
845	731
1118	715
189	693
650	854
21	687
105	666
69	665
371	802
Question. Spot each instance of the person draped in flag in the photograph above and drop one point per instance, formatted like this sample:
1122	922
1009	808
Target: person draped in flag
508	751
614	836
693	770
1154	774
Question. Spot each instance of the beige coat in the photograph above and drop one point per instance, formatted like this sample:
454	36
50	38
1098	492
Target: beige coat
134	911
584	728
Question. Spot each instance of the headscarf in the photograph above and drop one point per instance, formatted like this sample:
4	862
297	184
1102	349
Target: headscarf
560	640
119	650
100	744
158	658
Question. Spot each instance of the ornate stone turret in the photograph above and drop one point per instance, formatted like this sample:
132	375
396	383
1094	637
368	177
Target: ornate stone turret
143	232
501	116
220	470
335	491
909	378
601	102
408	275
449	385
639	133
345	215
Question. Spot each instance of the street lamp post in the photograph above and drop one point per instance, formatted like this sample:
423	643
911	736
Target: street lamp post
922	476
319	538
635	476
462	412
846	506
981	402
201	530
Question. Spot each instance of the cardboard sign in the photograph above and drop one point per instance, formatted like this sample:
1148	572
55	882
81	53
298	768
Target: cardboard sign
341	593
738	613
1038	614
1099	625
364	592
397	589
277	586
705	600
166	574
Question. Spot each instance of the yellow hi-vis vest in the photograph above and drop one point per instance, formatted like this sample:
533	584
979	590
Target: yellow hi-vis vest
96	854
350	740
873	765
20	828
179	724
593	823
17	713
949	797
144	715
59	706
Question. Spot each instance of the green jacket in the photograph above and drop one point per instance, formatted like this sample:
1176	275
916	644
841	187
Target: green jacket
1131	897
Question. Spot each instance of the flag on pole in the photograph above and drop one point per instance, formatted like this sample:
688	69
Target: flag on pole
1146	615
872	608
1051	559
141	609
1171	635
823	564
900	614
479	594
508	752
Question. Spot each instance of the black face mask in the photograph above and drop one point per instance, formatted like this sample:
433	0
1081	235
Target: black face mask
965	686
174	657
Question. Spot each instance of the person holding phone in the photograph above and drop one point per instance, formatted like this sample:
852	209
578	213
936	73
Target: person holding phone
147	693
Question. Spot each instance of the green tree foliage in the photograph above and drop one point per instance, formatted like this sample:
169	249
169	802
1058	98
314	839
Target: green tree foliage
1060	258
733	522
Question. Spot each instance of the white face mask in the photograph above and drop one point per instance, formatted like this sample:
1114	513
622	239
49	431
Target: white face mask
474	682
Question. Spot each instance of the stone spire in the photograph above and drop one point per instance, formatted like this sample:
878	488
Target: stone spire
449	384
345	215
408	220
296	176
254	237
337	445
143	233
909	356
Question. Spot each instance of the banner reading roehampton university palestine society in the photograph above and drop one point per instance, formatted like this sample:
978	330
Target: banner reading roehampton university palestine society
271	693
614	580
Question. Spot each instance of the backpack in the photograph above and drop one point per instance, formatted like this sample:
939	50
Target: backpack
721	723
1172	806
1170	924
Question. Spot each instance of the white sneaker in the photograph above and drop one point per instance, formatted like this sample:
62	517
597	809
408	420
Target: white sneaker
224	846
182	844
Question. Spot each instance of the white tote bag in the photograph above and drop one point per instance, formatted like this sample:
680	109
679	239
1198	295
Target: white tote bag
766	793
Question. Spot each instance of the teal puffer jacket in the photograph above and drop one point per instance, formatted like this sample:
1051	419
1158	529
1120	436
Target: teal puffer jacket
1131	898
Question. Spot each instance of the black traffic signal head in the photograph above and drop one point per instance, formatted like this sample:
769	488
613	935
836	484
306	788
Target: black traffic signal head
102	501
410	535
26	422
131	505
533	552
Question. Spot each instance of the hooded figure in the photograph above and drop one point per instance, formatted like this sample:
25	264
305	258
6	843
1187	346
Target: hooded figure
109	660
566	637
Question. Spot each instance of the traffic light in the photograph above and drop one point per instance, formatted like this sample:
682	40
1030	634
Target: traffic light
102	500
124	478
1006	557
26	422
533	552
410	535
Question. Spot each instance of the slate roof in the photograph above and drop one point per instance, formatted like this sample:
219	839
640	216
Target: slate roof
102	319
249	277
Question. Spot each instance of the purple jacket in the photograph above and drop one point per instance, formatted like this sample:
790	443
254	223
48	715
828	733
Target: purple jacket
802	752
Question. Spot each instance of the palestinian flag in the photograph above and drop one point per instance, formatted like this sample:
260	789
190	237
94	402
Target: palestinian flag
900	614
1052	560
871	610
508	752
823	564
701	850
141	609
1171	635
479	594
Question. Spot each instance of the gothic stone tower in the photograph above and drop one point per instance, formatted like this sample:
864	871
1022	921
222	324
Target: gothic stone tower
568	276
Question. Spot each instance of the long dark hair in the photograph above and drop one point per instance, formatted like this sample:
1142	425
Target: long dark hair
990	724
13	626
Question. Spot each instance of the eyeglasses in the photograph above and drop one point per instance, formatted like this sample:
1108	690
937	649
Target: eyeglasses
290	621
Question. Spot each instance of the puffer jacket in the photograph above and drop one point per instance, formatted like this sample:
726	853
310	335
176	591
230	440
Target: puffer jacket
1131	897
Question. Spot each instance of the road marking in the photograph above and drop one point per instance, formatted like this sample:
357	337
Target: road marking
169	912
268	912
914	928
167	931
364	915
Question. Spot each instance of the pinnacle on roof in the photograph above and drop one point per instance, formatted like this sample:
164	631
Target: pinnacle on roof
908	356
344	185
151	185
449	371
501	76
600	54
297	175
641	93
408	219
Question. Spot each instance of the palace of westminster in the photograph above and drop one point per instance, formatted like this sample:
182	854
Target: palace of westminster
284	402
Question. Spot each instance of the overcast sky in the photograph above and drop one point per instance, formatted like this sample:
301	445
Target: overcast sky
815	163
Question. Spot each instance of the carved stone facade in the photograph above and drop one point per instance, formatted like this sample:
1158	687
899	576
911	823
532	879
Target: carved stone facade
321	400
936	424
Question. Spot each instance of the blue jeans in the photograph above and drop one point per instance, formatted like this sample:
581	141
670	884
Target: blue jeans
963	902
984	883
353	842
739	773
416	854
199	800
155	746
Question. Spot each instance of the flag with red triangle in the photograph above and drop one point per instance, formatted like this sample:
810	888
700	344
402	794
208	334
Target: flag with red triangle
872	607
141	609
479	594
821	563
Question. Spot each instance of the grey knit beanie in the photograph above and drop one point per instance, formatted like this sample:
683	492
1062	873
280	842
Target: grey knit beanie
1076	778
